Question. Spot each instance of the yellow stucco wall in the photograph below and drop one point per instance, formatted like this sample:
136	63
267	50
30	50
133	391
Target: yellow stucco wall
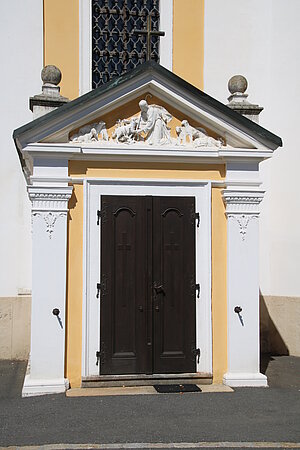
219	287
75	238
188	40
61	42
149	170
74	288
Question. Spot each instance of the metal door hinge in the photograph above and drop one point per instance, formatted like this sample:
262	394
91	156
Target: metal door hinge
99	288
196	216
99	213
197	287
98	355
196	353
102	286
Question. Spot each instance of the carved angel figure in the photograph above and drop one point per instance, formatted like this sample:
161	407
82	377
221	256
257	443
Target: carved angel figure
153	121
91	133
125	130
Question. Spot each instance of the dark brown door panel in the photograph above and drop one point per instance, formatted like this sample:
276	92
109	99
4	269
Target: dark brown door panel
148	304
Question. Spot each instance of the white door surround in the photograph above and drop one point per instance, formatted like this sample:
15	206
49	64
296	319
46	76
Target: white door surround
93	189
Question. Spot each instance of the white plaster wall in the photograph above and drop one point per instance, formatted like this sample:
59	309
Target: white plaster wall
21	56
261	40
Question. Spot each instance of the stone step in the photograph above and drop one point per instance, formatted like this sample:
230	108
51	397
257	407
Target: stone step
103	381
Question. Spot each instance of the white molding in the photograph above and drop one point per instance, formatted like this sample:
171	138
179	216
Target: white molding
81	180
85	46
93	189
49	198
34	387
255	379
122	152
242	201
166	42
85	271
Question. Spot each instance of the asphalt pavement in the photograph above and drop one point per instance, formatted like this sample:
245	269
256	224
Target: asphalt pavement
248	416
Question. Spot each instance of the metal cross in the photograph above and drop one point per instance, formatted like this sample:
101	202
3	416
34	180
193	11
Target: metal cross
149	33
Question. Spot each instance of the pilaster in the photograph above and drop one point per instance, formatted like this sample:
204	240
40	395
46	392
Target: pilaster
49	245
242	211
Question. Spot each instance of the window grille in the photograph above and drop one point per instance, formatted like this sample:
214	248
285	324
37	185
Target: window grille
117	48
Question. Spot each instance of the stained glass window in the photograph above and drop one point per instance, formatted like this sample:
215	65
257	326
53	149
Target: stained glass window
117	48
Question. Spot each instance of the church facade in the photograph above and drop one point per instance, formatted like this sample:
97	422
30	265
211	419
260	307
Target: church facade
150	257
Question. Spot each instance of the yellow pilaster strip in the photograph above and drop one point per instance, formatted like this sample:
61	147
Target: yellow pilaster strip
61	42
74	288
219	286
188	40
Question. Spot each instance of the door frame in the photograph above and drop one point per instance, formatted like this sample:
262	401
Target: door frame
93	189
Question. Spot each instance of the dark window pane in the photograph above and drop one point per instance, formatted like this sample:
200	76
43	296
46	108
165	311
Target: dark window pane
115	46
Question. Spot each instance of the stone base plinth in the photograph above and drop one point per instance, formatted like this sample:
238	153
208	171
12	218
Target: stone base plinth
34	387
245	380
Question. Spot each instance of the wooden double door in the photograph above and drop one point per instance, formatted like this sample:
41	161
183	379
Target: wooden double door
147	285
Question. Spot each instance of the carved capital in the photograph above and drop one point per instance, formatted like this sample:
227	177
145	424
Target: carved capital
48	198
242	202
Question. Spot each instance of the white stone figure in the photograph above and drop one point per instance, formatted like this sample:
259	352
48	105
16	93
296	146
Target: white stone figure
207	141
197	136
186	130
102	131
125	130
91	133
153	121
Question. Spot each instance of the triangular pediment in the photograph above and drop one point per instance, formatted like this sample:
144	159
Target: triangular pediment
111	116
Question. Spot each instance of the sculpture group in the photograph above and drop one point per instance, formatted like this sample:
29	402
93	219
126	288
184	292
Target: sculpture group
151	127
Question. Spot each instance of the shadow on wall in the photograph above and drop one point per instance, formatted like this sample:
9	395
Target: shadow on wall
271	342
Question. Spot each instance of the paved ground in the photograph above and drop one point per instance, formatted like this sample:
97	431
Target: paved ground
259	418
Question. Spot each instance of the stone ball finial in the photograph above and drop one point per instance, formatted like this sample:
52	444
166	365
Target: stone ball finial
51	74
237	83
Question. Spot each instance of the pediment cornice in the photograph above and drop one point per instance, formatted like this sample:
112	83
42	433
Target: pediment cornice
206	130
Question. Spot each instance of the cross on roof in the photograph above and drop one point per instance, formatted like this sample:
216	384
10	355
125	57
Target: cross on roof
149	33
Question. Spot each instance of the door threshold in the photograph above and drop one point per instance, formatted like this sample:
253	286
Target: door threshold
145	380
